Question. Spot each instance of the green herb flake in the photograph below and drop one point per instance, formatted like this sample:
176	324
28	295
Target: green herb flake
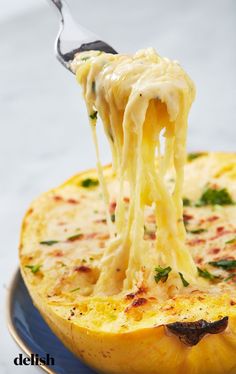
113	217
34	268
162	274
215	197
206	274
49	242
83	260
93	115
85	58
197	231
231	276
94	89
185	283
75	289
146	231
231	241
186	201
193	156
89	182
224	264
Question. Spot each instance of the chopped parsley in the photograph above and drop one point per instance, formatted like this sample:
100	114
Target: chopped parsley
93	115
85	58
146	230
75	289
224	264
94	89
231	241
186	201
206	274
49	242
162	274
113	217
231	276
213	196
111	136
185	283
89	182
34	268
197	231
193	156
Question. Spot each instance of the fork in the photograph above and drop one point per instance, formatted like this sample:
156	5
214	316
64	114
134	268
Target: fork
73	38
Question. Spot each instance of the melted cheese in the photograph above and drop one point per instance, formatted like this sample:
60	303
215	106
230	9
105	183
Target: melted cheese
142	100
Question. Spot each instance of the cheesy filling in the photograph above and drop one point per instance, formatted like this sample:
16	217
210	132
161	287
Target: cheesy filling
143	101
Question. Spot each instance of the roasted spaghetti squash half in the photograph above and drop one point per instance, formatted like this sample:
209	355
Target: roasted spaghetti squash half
62	243
134	266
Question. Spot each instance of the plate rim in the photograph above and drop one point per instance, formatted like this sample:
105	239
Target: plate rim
10	325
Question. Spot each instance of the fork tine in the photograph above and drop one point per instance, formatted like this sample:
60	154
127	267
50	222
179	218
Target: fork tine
73	38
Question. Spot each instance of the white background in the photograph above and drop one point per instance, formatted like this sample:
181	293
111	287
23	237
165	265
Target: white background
44	136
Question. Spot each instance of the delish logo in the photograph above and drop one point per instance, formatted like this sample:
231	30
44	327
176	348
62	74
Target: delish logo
34	359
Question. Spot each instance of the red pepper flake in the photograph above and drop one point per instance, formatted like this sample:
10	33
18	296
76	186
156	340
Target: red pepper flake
220	229
126	199
112	207
152	235
220	233
72	201
196	241
57	198
232	302
82	269
214	251
198	259
187	217
57	253
212	218
91	235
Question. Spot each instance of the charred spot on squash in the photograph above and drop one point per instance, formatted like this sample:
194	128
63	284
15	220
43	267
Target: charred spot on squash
141	290
190	333
140	301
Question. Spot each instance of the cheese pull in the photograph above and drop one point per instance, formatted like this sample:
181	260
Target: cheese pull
143	101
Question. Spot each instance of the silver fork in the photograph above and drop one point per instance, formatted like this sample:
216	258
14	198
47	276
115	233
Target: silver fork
73	38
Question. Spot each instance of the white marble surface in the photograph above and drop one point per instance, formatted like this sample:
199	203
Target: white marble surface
44	132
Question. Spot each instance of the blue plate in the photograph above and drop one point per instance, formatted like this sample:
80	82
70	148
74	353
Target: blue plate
33	335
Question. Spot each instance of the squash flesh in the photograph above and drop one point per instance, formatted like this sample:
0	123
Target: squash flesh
111	324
